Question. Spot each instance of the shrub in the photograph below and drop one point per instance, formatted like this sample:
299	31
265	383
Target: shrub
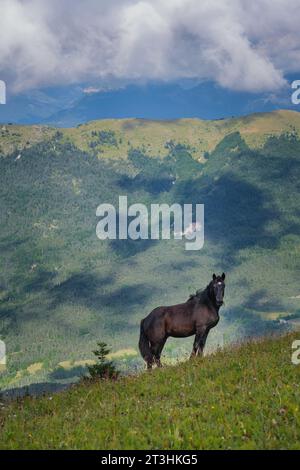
103	369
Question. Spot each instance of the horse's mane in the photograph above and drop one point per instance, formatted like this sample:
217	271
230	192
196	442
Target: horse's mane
200	296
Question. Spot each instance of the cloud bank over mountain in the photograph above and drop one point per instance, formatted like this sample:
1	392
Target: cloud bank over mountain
241	45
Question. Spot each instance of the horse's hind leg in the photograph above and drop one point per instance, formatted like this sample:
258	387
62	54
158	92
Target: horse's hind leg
157	349
151	357
150	363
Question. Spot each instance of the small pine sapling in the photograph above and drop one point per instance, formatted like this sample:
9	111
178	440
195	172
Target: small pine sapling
103	369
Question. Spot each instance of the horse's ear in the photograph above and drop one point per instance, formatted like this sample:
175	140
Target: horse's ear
223	276
214	277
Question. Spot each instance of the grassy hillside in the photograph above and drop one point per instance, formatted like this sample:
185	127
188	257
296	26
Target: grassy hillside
200	135
61	289
244	397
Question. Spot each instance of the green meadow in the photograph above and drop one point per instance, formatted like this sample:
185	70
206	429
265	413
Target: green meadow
245	396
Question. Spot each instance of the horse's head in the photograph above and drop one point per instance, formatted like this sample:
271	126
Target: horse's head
218	288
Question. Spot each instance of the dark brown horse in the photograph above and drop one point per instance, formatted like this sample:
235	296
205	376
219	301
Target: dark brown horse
196	317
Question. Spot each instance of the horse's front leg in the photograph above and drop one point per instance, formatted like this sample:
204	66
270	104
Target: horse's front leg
195	347
199	341
202	342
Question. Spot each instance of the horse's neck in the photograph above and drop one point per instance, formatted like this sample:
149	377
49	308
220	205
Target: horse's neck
206	297
209	298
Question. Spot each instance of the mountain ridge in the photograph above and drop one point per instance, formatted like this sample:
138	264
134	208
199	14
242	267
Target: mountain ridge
255	128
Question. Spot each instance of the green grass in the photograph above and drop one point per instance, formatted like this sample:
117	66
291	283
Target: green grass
243	397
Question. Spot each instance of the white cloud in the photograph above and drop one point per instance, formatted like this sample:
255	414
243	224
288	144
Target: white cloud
242	45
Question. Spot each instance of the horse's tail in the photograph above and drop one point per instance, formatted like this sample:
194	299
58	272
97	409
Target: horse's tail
144	345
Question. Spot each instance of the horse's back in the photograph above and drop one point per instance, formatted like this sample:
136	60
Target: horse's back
156	313
164	310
